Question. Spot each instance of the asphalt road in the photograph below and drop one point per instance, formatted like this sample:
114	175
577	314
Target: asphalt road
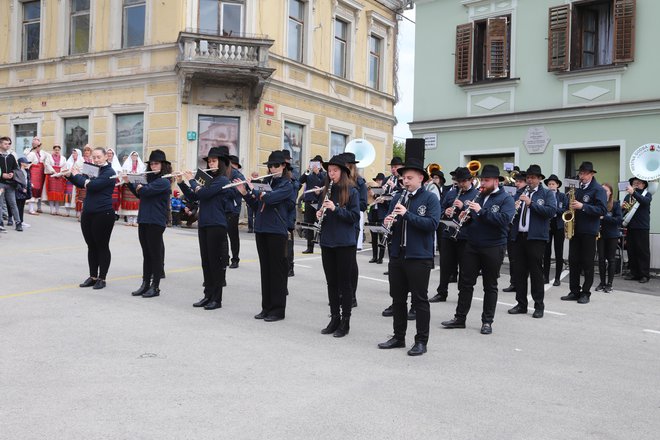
83	364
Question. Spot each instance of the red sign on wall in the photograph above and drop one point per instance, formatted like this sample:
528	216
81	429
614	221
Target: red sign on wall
269	109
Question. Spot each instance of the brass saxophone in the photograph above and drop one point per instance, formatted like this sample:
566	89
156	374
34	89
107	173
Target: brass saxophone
569	216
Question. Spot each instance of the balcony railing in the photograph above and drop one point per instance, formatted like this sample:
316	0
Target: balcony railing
227	50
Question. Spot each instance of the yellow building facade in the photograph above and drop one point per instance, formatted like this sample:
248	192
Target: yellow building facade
186	75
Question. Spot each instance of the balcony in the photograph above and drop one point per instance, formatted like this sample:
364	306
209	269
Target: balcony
239	61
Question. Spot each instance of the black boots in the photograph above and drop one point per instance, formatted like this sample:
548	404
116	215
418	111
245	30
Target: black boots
143	288
154	289
332	326
343	328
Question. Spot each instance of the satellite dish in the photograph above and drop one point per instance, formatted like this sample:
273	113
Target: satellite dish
364	152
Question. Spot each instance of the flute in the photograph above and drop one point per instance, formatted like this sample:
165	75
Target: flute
122	174
180	173
233	184
315	189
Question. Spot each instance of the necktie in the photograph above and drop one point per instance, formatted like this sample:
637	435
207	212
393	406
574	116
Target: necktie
404	231
524	215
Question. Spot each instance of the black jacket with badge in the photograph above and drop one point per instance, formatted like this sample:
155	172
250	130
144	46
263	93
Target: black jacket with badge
610	224
448	201
272	207
642	217
557	222
98	198
212	200
594	205
154	200
338	227
490	226
421	219
541	209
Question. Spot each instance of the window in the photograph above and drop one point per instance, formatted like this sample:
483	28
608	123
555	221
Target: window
221	17
129	135
31	30
591	34
76	134
341	40
296	30
337	143
216	131
483	50
134	23
293	141
79	37
375	48
23	137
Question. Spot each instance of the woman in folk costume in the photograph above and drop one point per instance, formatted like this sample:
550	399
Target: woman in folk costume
130	204
82	192
36	158
113	160
74	161
55	186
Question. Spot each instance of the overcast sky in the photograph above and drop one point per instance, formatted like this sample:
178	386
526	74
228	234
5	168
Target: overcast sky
404	109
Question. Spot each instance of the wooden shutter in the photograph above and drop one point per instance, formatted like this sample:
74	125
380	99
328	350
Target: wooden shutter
463	54
559	37
624	31
497	50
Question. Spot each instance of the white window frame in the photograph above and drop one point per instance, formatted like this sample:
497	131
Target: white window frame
21	36
69	29
382	28
379	80
306	34
349	12
346	42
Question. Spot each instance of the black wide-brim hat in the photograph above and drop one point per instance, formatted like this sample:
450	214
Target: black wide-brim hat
221	153
234	159
340	161
414	164
534	170
276	157
349	158
491	171
461	173
630	181
287	154
521	175
588	167
317	158
396	160
553	178
158	156
440	174
379	176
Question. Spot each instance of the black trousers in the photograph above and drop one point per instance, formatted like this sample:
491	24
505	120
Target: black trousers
581	253
511	253
21	208
273	265
450	256
606	248
214	252
310	218
355	273
488	261
556	236
529	263
251	214
96	229
232	233
378	252
337	263
153	250
289	250
639	253
410	276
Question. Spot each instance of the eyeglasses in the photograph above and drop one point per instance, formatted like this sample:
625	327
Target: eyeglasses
277	165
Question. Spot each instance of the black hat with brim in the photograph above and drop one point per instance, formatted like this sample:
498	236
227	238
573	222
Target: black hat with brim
338	160
521	175
221	153
461	173
379	176
396	160
317	158
349	158
490	171
534	170
439	174
632	179
276	157
588	167
234	159
287	154
414	164
553	178
158	156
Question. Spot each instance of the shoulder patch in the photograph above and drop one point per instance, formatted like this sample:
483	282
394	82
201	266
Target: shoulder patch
586	198
421	210
541	202
495	208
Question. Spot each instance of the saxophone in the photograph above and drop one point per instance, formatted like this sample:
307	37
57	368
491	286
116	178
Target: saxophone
569	216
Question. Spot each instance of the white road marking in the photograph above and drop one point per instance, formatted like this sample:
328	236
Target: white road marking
302	265
374	279
512	305
646	330
563	275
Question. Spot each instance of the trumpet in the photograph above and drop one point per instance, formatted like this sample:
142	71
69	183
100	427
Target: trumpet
385	237
233	184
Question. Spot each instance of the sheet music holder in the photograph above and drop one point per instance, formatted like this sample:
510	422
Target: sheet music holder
568	183
386	197
90	170
310	226
450	224
137	179
265	187
511	190
202	177
623	186
375	228
377	190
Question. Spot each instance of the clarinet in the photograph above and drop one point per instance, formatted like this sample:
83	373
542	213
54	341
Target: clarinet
464	218
319	222
453	207
385	237
524	193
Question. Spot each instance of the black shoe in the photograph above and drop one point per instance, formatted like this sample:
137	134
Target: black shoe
438	298
386	273
418	349
546	280
291	272
308	251
518	310
486	329
354	303
569	297
538	313
556	283
373	260
453	323
392	343
89	282
608	288
511	288
344	327
332	326
644	280
143	288
233	265
19	227
599	287
273	318
202	302
100	284
152	291
260	315
250	231
412	315
379	261
631	277
583	299
10	222
212	305
388	312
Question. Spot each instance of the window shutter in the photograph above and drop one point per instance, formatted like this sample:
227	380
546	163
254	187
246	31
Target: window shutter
463	54
559	27
497	65
624	31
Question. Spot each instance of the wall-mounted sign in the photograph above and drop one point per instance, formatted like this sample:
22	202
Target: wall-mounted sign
269	109
537	140
192	135
430	141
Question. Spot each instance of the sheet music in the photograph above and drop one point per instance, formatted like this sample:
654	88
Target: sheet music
137	179
262	187
90	170
571	183
623	186
511	190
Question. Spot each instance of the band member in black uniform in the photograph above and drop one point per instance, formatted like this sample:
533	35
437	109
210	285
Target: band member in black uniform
392	186
98	217
556	232
413	218
490	215
376	215
271	233
234	212
338	214
639	251
438	178
531	225
451	249
212	224
608	241
313	178
152	219
520	183
291	210
589	205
